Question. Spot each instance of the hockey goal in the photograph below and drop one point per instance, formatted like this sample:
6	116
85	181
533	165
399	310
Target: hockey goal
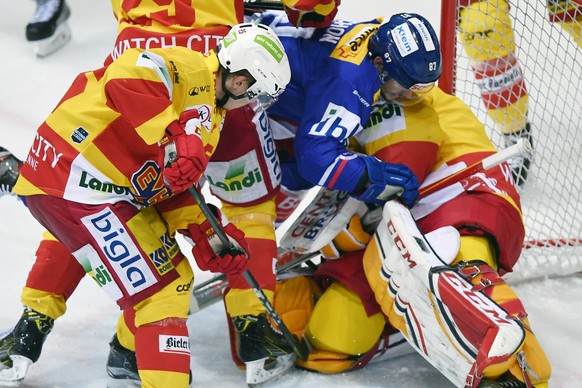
550	59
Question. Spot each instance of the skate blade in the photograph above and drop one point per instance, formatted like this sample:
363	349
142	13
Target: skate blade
268	369
60	38
13	376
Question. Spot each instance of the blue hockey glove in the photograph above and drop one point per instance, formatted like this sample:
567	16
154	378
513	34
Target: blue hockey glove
388	181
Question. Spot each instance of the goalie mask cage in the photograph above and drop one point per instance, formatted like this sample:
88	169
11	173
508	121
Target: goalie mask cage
551	62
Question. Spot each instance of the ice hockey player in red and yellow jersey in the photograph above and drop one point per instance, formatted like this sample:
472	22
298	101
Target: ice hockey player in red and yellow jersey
488	39
196	24
122	144
54	276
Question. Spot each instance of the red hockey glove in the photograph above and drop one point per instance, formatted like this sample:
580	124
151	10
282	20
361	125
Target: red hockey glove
209	252
185	159
311	13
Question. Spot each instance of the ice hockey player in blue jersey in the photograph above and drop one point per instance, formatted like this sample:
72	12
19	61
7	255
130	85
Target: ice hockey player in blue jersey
332	91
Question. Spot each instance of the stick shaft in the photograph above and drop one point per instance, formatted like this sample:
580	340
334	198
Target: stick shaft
519	148
301	351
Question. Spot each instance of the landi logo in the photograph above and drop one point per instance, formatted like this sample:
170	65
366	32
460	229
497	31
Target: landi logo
236	179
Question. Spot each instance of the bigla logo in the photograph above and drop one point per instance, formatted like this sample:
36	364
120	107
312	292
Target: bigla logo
236	179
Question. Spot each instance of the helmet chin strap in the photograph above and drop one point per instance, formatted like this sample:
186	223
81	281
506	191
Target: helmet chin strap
227	93
222	102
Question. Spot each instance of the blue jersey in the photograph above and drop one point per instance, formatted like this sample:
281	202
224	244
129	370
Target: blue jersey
329	99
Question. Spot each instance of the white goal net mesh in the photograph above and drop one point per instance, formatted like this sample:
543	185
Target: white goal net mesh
550	58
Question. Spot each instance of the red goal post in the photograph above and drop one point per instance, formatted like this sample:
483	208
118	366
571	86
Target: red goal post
550	57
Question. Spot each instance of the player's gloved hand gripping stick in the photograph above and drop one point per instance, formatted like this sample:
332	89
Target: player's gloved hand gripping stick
299	348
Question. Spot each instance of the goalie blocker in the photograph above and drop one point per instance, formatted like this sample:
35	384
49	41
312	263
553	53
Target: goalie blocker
445	311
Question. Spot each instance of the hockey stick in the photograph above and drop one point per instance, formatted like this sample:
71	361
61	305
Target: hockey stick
330	210
300	348
276	5
211	290
522	146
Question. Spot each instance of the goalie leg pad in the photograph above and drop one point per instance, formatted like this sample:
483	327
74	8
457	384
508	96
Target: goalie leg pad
528	363
458	330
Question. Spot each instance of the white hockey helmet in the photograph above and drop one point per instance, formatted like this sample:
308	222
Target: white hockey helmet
257	49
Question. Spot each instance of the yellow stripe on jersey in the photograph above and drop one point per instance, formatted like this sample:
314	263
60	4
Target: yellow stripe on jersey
465	133
391	124
353	46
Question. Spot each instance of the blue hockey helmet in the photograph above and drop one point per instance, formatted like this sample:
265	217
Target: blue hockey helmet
410	51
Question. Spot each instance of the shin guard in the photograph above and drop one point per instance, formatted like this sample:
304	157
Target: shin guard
52	279
163	353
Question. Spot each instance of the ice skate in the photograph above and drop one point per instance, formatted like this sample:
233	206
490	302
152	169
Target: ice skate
264	350
22	346
48	29
121	366
9	166
519	165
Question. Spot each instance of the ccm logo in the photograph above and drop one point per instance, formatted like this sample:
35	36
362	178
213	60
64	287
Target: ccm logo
400	245
183	287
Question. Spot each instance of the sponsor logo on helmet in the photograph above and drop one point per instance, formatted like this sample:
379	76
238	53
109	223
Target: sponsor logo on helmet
271	47
229	38
424	34
404	40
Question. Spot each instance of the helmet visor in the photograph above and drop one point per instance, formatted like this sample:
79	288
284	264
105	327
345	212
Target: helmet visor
262	102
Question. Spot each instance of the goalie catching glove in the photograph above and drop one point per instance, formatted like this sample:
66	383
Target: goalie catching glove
388	181
209	252
185	158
